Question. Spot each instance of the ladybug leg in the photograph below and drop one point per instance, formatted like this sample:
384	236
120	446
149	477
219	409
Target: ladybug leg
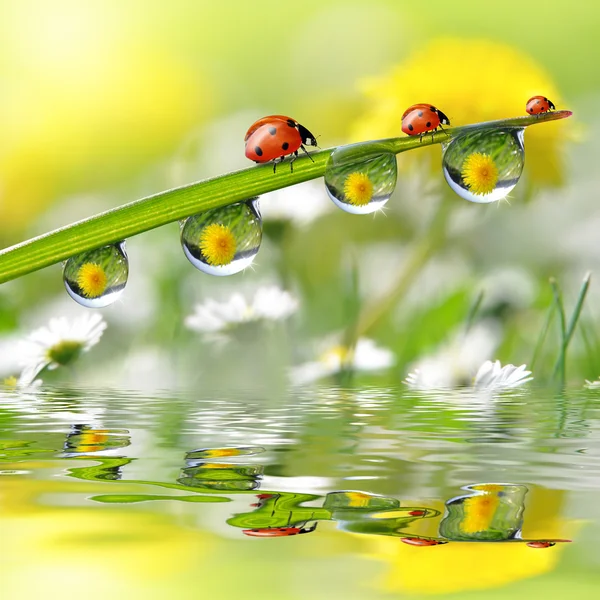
294	157
305	152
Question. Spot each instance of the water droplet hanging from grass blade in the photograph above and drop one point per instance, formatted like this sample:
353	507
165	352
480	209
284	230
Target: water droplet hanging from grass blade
484	165
223	241
360	183
97	278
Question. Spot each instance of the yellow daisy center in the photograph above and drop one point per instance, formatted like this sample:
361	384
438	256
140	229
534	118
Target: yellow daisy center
64	352
480	173
91	279
218	244
358	189
10	382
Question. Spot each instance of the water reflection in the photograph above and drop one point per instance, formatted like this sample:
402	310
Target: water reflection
489	512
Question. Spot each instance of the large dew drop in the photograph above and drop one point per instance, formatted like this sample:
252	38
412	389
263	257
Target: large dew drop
484	165
360	183
223	241
97	278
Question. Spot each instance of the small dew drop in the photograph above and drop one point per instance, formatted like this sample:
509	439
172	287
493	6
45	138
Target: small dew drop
484	166
223	241
360	183
97	278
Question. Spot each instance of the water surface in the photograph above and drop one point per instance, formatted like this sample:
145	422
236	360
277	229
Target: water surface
329	493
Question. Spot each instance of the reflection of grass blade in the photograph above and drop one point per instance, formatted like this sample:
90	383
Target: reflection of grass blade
568	330
173	205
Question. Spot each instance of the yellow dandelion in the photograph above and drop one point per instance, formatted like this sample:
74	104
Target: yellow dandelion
479	512
480	173
91	279
358	189
481	80
218	244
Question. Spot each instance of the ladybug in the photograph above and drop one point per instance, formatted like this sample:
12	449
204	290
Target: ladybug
541	544
538	105
278	531
274	137
262	498
415	541
421	118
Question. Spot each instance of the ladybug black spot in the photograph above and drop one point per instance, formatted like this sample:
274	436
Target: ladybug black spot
433	109
285	146
291	123
272	130
410	127
258	150
428	124
420	113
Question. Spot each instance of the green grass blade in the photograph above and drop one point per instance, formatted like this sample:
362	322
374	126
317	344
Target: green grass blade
172	205
559	369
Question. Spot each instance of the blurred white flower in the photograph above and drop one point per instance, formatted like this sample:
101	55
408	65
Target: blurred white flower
492	375
456	363
592	385
59	344
269	304
301	204
367	356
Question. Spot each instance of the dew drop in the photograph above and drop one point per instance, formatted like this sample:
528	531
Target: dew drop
484	165
223	241
360	183
97	278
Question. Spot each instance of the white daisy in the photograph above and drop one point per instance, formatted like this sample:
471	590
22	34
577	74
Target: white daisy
592	385
59	344
300	204
492	375
455	363
269	304
367	356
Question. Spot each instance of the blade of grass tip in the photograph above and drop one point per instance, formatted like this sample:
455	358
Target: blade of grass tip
558	302
542	337
573	322
473	310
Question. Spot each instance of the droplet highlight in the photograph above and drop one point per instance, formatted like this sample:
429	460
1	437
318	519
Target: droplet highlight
97	278
360	183
223	241
484	166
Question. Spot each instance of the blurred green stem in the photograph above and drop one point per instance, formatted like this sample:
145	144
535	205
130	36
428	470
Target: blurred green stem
172	205
433	238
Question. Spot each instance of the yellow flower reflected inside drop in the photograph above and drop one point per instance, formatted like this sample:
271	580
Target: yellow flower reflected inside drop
479	512
480	173
91	280
358	189
218	244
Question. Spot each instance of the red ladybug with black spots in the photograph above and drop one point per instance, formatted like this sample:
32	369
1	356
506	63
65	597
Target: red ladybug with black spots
278	531
274	137
418	119
538	105
416	541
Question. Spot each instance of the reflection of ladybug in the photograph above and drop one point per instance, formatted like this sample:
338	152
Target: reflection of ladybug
417	513
541	544
278	531
538	105
261	499
415	541
274	137
421	118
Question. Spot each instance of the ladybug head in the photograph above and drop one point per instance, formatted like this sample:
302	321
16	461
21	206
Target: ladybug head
444	120
307	137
